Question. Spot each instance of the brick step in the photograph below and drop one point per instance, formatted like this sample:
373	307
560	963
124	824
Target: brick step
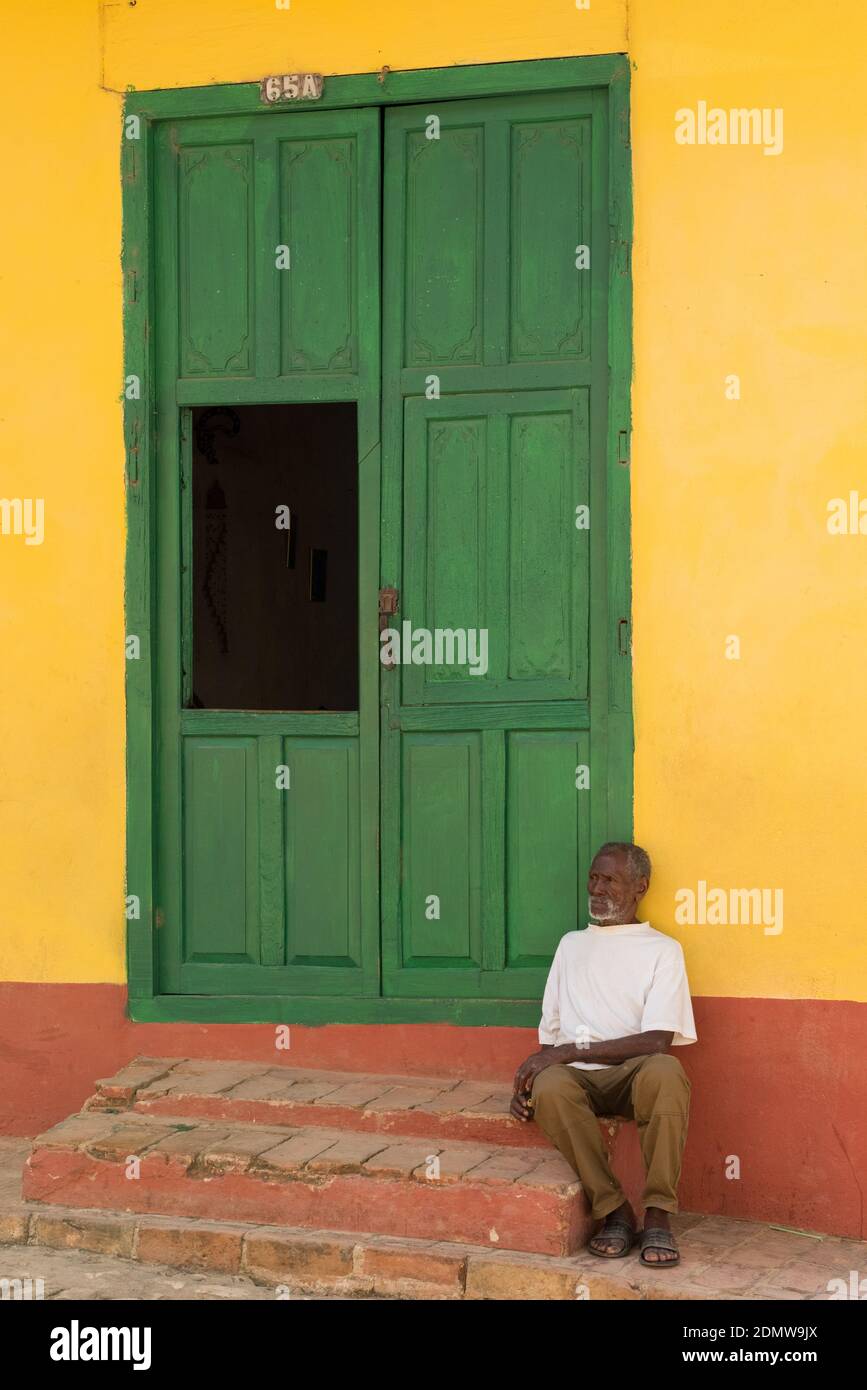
312	1177
344	1263
247	1093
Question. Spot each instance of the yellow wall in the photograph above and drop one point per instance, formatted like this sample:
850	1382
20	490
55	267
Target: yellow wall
749	773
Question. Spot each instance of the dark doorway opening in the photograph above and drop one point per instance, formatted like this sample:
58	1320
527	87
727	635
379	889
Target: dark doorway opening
274	588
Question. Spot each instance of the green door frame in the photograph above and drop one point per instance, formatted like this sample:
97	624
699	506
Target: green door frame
610	610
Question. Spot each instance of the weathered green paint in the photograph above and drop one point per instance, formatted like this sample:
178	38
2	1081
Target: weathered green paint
222	835
259	888
310	1009
534	359
139	413
323	872
489	541
618	696
486	838
392	88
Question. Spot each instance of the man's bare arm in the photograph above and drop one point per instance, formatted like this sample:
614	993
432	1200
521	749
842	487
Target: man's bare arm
613	1052
609	1054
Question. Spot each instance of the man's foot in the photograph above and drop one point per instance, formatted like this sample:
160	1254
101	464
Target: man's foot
665	1253
617	1234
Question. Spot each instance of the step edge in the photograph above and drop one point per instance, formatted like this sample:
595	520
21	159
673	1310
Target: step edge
469	1259
310	1072
561	1192
180	1124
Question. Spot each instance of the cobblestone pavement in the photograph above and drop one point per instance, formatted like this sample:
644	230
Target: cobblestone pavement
77	1274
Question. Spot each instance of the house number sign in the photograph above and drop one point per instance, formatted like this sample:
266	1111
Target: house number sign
292	86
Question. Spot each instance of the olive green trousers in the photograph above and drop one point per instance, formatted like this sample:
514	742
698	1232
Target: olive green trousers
654	1091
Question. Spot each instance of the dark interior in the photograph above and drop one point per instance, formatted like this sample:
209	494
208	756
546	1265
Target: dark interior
275	557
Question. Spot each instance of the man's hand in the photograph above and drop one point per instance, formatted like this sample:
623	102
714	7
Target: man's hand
529	1070
521	1107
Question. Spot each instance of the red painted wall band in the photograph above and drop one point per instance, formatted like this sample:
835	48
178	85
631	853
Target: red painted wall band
778	1084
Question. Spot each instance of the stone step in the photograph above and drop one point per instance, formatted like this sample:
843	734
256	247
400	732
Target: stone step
295	1261
249	1093
721	1258
313	1177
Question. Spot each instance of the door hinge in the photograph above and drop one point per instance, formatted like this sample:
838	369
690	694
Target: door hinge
132	454
130	169
623	447
623	637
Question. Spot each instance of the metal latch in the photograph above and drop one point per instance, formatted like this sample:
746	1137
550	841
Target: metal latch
388	605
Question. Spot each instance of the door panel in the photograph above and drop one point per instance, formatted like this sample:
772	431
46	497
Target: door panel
216	212
319	222
221	849
445	215
490	543
541	849
486	220
548	301
267	260
442	847
322	854
548	571
495	404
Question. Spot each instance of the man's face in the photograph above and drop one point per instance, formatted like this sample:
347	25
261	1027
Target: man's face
612	893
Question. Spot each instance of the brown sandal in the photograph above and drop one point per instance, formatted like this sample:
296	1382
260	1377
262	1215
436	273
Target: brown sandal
657	1238
614	1229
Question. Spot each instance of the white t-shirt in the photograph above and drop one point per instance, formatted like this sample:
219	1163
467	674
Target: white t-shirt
612	982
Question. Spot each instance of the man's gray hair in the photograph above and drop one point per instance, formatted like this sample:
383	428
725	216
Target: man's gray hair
637	858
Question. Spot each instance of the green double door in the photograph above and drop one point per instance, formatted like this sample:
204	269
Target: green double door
443	273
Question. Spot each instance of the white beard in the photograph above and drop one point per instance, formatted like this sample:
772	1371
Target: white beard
606	914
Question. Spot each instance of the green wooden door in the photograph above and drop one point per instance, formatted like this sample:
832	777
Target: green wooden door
433	841
495	780
266	256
